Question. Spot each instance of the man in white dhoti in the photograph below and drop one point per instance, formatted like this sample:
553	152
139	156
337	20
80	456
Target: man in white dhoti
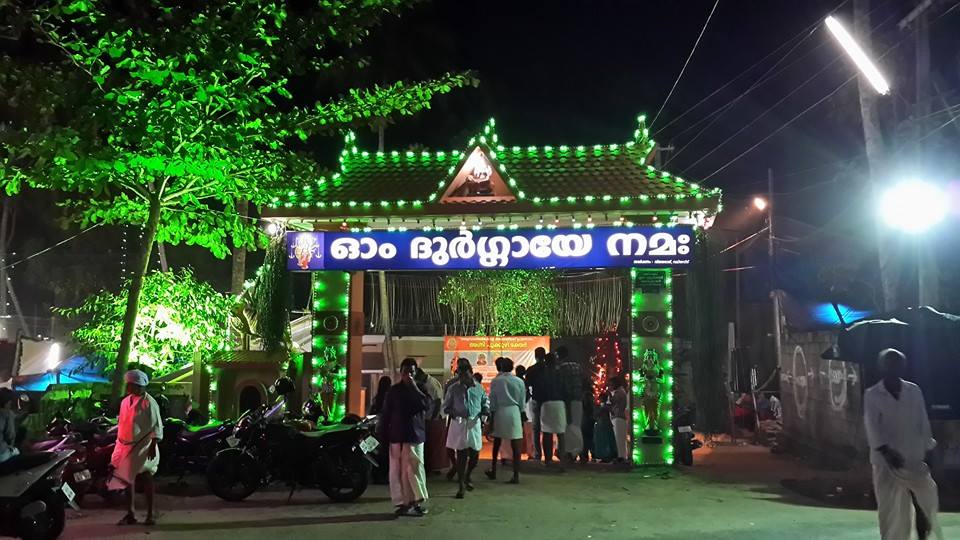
572	380
898	432
467	406
553	411
617	407
136	455
401	425
507	397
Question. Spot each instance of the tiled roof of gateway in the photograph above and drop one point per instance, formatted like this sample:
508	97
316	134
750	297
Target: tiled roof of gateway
612	176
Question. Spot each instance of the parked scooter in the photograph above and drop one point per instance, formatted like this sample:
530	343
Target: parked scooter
33	496
336	459
685	441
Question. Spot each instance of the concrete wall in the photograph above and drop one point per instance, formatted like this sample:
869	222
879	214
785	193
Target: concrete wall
822	400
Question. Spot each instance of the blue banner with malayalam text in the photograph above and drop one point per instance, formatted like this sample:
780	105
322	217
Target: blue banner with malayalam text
600	247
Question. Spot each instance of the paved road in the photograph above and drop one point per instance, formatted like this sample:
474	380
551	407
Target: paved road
733	494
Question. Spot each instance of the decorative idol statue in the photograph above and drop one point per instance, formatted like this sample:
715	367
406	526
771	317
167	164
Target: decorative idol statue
650	398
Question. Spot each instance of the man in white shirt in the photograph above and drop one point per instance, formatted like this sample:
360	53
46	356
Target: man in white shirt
898	432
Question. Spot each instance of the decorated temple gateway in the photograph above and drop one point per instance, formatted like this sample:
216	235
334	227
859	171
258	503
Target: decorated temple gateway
491	206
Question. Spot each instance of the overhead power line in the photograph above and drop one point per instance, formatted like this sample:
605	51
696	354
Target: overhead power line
735	79
684	68
818	102
756	118
58	244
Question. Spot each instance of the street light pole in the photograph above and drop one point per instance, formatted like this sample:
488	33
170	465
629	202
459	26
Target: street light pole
771	261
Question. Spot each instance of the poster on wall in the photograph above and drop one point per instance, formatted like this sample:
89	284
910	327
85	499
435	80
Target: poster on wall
483	350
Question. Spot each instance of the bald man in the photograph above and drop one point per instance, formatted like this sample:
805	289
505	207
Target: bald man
898	432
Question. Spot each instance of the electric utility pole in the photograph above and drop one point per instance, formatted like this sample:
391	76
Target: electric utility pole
928	276
771	261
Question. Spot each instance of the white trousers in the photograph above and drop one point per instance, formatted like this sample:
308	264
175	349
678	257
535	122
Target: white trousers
573	439
896	491
620	435
408	481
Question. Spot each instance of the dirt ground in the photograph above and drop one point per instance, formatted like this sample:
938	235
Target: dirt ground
730	493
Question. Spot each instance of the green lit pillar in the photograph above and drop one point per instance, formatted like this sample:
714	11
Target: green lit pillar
651	361
330	308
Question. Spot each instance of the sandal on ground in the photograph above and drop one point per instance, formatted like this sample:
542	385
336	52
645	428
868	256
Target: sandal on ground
128	519
415	511
401	510
459	494
491	475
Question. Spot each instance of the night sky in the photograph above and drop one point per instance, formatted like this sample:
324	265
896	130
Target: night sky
574	72
579	72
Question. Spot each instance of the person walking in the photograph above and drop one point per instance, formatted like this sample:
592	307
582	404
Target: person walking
401	425
383	387
467	406
617	407
434	391
571	377
136	456
899	435
531	378
507	393
451	454
553	413
8	425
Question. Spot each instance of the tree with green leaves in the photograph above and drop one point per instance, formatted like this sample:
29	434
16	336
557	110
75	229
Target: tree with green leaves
177	316
503	302
165	114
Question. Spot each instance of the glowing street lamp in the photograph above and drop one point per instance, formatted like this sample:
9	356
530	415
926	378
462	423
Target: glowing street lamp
859	57
760	203
913	206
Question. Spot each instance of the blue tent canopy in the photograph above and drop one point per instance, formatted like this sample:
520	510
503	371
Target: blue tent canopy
73	370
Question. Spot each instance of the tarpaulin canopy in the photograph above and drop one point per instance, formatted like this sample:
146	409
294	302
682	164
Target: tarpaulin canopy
809	314
931	342
73	370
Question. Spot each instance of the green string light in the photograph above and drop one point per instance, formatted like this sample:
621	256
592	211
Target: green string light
351	153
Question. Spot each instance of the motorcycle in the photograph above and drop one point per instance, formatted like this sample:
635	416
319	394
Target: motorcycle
336	458
685	441
88	468
33	495
188	449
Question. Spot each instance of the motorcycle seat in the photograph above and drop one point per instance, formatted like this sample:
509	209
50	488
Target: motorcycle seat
18	473
197	429
324	430
105	439
24	461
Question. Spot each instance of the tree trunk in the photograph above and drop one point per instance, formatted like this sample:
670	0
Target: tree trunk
387	323
133	299
874	145
238	273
